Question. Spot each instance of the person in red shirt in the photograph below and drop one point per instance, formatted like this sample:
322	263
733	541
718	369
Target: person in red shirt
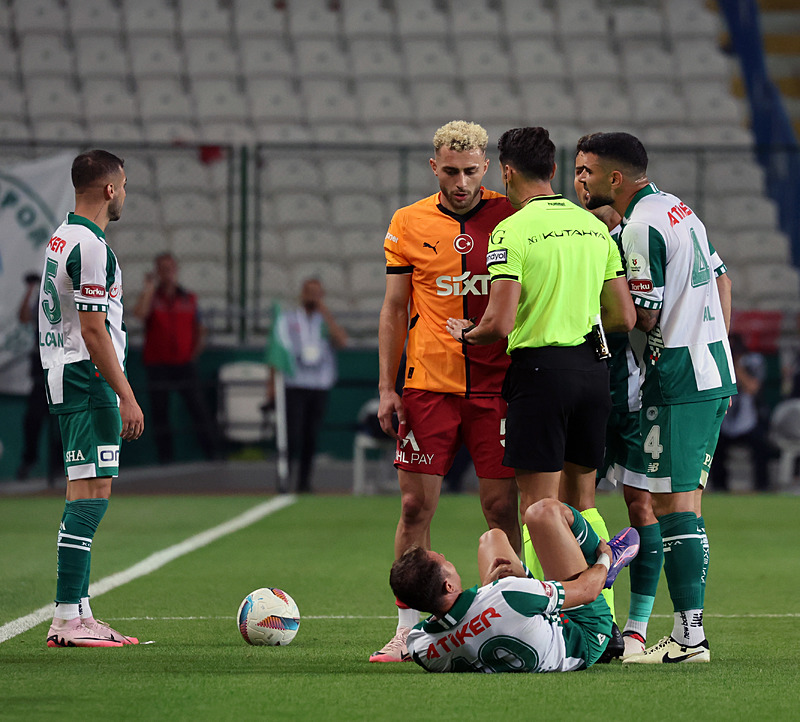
174	337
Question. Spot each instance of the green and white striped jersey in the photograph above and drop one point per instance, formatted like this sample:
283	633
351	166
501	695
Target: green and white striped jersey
512	625
81	273
672	266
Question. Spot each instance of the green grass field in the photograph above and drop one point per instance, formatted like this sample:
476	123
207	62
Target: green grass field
332	554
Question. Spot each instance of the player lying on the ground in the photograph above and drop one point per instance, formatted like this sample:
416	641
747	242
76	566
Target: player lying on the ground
513	623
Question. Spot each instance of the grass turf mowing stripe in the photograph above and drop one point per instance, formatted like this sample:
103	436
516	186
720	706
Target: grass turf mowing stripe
153	562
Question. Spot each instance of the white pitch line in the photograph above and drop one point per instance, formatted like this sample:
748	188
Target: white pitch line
154	561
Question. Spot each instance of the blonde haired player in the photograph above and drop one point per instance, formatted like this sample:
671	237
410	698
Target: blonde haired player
435	268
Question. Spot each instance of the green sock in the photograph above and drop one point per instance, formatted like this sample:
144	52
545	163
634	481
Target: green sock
683	560
597	523
587	537
78	526
645	571
701	529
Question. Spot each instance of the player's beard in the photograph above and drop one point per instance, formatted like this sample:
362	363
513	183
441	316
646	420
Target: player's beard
596	201
460	203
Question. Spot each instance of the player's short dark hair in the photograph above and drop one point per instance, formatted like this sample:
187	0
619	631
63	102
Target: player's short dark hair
417	580
529	151
622	148
93	166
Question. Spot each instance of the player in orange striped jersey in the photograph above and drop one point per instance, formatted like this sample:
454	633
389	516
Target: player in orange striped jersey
436	268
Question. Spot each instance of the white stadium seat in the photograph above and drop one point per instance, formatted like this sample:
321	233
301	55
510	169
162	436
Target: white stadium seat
100	56
338	132
203	17
169	131
164	100
49	98
591	59
699	59
100	15
528	19
12	100
149	16
142	209
646	61
284	173
227	132
601	102
437	102
120	130
537	59
371	58
485	59
369	277
353	210
331	275
274	100
107	99
365	20
420	19
44	55
192	208
347	173
155	57
266	59
637	23
280	132
473	19
219	100
320	58
581	19
689	18
211	57
200	241
306	208
493	101
60	130
312	19
383	100
39	16
657	103
11	129
733	173
711	101
425	60
309	244
544	103
185	171
256	17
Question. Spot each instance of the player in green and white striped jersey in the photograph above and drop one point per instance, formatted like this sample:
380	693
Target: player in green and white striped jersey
83	345
514	623
682	296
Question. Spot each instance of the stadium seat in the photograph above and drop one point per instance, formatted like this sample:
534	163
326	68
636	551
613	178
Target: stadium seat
493	102
59	130
211	57
39	16
771	246
9	58
724	134
546	103
590	60
142	209
581	19
100	56
471	19
674	173
185	171
420	19
100	15
486	60
711	101
345	174
227	132
107	99
115	130
700	59
330	274
348	133
637	23
155	57
203	17
425	60
47	98
266	59
241	395
375	59
383	100
647	61
667	136
12	100
218	100
274	100
537	59
309	244
601	102
208	242
354	210
366	20
289	173
44	55
657	103
164	100
769	280
688	18
364	481
369	276
320	58
11	129
192	208
733	173
169	131
148	17
312	19
783	432
272	132
744	211
394	133
360	244
296	209
258	17
528	19
437	102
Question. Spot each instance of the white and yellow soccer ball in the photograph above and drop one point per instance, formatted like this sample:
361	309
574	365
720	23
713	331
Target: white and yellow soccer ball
268	616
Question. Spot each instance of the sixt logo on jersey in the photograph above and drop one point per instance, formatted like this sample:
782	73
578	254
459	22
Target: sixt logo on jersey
93	291
462	285
476	625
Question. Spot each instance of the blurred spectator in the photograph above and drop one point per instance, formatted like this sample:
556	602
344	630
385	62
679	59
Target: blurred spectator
746	422
174	338
312	335
37	413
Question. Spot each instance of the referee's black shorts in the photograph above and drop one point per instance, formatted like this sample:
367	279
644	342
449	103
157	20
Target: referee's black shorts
558	405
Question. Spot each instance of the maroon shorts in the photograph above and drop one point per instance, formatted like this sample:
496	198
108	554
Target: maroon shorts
437	424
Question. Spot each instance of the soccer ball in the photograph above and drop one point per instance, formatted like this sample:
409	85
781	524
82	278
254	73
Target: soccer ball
268	616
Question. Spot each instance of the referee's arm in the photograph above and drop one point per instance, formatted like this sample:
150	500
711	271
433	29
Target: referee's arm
501	312
617	310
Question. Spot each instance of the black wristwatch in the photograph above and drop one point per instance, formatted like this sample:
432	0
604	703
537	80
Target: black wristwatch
464	333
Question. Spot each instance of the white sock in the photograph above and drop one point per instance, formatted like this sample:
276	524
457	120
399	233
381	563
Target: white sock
688	627
85	607
407	617
66	611
639	627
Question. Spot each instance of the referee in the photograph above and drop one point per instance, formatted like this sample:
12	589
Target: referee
554	270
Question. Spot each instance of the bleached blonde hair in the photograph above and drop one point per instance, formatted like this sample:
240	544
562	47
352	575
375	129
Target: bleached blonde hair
460	135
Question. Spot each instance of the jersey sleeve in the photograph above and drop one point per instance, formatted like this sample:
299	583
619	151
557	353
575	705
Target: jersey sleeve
87	268
646	259
396	261
716	262
530	597
503	259
613	261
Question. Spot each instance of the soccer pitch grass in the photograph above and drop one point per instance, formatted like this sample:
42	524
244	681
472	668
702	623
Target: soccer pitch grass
332	554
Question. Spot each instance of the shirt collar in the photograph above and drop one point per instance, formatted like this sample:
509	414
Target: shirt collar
648	190
455	614
73	219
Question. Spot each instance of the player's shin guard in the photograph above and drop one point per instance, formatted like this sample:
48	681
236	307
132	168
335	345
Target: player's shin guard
701	529
78	526
683	559
598	524
645	572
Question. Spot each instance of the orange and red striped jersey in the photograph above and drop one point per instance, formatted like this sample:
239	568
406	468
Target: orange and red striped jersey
445	253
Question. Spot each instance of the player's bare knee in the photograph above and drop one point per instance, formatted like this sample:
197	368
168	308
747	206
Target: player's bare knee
413	509
640	512
542	512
